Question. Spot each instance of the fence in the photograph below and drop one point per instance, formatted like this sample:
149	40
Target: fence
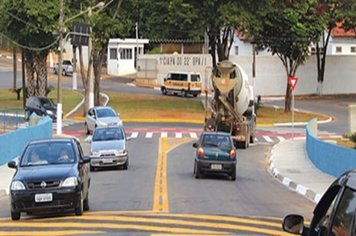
11	119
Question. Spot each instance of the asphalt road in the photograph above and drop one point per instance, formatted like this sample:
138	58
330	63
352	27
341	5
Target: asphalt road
159	194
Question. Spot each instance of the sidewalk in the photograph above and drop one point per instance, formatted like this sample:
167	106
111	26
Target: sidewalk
289	163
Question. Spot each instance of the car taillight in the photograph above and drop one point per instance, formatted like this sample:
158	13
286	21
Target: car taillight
232	154
201	153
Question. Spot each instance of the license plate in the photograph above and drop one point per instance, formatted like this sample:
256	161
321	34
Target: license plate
216	166
43	197
107	161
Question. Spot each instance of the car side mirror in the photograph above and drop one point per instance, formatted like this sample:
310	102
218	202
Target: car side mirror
89	139
195	145
293	224
12	164
85	159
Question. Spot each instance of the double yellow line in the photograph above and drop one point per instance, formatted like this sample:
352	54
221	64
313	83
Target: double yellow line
160	198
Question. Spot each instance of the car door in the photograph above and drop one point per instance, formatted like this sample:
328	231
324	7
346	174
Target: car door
334	213
83	168
91	119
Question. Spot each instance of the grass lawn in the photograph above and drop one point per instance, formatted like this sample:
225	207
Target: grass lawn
8	100
142	106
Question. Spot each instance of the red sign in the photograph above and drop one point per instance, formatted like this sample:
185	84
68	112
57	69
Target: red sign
292	81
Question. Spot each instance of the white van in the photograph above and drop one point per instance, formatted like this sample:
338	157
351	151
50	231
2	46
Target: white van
182	83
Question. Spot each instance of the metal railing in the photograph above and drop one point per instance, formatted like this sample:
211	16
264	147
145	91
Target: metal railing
11	119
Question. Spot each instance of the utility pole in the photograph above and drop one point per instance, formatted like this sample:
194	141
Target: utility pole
137	49
90	68
60	61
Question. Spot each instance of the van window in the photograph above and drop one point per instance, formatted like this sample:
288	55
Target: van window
195	78
184	77
175	76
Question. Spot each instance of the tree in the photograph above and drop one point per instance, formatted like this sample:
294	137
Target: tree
30	24
287	29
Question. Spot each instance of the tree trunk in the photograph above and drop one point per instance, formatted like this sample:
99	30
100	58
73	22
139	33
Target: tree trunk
41	72
84	81
24	92
98	64
31	81
288	99
15	67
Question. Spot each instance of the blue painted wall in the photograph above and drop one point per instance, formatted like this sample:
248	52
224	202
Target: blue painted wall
13	143
328	157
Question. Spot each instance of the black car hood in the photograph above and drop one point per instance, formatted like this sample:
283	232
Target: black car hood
46	172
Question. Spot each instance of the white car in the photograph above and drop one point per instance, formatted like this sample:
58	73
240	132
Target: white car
67	68
109	148
101	116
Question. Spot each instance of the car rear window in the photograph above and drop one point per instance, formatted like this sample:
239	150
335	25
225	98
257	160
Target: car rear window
216	140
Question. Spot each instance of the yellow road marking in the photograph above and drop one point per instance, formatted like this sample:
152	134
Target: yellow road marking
160	197
107	226
46	233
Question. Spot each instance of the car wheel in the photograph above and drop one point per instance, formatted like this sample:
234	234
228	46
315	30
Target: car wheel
64	73
126	165
86	203
195	95
54	71
15	215
79	209
233	174
92	168
87	128
184	93
164	91
196	170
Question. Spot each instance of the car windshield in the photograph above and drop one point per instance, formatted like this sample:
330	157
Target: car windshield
47	102
108	134
214	140
48	153
106	113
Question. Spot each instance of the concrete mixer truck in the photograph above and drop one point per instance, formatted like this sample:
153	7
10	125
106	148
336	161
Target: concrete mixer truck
232	104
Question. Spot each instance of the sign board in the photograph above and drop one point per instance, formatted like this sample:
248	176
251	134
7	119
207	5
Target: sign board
292	81
80	34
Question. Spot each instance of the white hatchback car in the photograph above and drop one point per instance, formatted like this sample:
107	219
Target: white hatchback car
101	116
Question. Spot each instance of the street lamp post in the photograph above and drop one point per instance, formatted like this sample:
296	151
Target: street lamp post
60	62
90	68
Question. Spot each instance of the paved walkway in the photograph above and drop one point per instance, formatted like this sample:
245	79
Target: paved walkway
290	164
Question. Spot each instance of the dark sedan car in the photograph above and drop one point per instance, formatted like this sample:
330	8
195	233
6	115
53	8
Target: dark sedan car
215	152
42	106
51	175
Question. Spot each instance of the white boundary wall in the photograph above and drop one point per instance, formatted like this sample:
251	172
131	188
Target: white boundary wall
271	76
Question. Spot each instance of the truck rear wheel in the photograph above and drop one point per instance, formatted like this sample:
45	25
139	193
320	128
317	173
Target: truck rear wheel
164	90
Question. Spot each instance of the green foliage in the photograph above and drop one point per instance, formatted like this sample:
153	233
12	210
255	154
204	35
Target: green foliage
353	137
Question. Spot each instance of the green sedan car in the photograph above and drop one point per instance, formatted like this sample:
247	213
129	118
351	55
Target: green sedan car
215	153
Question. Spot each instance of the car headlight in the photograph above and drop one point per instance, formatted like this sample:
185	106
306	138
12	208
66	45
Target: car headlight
49	112
95	153
101	123
121	152
70	182
17	185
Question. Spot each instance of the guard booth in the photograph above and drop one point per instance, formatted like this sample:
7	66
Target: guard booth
121	55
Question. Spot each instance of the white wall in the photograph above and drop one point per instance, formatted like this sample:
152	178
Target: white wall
271	76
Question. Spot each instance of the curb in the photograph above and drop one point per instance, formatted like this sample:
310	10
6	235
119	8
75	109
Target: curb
300	189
